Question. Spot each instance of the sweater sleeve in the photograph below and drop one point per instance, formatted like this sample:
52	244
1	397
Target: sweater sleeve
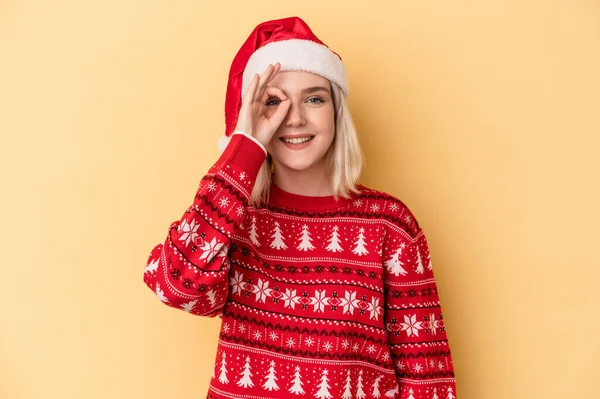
189	269
413	315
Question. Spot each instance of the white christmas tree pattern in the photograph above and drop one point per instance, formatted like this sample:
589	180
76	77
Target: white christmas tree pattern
278	239
410	394
347	388
212	297
253	233
376	393
450	394
246	380
223	376
323	391
360	394
160	294
420	268
296	387
151	267
334	241
392	392
360	243
189	306
394	264
271	379
305	240
435	395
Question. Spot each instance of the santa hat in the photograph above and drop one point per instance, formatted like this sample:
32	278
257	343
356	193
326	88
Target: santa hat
288	41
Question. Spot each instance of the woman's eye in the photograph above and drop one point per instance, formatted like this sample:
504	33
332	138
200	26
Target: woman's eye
315	98
271	101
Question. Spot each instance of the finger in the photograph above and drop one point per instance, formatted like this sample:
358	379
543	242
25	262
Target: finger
251	90
262	82
276	70
272	91
277	118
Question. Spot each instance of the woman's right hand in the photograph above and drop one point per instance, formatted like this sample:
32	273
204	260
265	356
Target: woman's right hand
253	116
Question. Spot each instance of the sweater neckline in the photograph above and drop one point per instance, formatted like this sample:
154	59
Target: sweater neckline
280	198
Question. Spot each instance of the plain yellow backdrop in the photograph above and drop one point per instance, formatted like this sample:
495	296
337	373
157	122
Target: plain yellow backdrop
482	116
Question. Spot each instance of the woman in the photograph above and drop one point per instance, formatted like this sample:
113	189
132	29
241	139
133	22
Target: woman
325	287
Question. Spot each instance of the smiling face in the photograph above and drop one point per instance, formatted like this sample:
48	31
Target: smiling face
303	138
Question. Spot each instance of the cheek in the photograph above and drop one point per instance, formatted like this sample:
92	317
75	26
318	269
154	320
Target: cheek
325	120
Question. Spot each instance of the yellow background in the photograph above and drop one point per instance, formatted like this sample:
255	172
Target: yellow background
482	116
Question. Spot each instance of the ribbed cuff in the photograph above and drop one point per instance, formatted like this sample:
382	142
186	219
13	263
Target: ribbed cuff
243	153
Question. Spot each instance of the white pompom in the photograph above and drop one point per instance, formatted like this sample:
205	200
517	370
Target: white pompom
223	141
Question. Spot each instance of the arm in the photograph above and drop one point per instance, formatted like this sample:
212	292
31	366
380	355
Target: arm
189	270
413	315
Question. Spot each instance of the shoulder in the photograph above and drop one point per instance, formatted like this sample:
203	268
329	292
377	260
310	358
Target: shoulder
386	206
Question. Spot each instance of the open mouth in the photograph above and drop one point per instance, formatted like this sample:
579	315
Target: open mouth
297	141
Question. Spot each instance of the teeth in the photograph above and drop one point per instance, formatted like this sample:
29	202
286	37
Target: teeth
297	141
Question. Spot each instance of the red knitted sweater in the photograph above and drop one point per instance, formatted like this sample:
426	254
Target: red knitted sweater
319	298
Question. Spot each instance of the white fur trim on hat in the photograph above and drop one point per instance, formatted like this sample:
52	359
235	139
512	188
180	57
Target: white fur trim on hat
297	55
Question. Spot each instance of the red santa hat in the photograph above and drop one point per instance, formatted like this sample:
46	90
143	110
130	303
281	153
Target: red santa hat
288	41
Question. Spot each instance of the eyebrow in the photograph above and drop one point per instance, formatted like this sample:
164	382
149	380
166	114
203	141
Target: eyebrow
310	90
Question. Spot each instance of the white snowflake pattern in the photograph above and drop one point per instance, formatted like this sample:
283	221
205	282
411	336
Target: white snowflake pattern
211	248
223	202
349	302
407	219
432	363
371	348
289	298
345	344
393	207
226	328
242	175
239	211
358	203
385	357
236	282
374	308
411	325
319	301
190	231
399	365
262	290
257	335
327	346
355	347
273	335
309	341
418	368
242	328
440	365
212	186
290	342
375	208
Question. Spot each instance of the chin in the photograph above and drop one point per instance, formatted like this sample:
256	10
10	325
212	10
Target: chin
297	164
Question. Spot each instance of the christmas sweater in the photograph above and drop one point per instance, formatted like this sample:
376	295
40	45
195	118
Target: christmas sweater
319	298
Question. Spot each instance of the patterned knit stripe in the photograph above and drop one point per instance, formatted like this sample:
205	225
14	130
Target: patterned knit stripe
368	205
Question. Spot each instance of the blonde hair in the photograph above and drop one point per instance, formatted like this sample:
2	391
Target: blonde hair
344	158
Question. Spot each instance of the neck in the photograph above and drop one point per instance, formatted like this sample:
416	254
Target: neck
309	182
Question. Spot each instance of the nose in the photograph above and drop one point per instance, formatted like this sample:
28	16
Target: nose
295	116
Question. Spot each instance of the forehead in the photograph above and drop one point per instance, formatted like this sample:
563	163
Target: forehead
296	81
